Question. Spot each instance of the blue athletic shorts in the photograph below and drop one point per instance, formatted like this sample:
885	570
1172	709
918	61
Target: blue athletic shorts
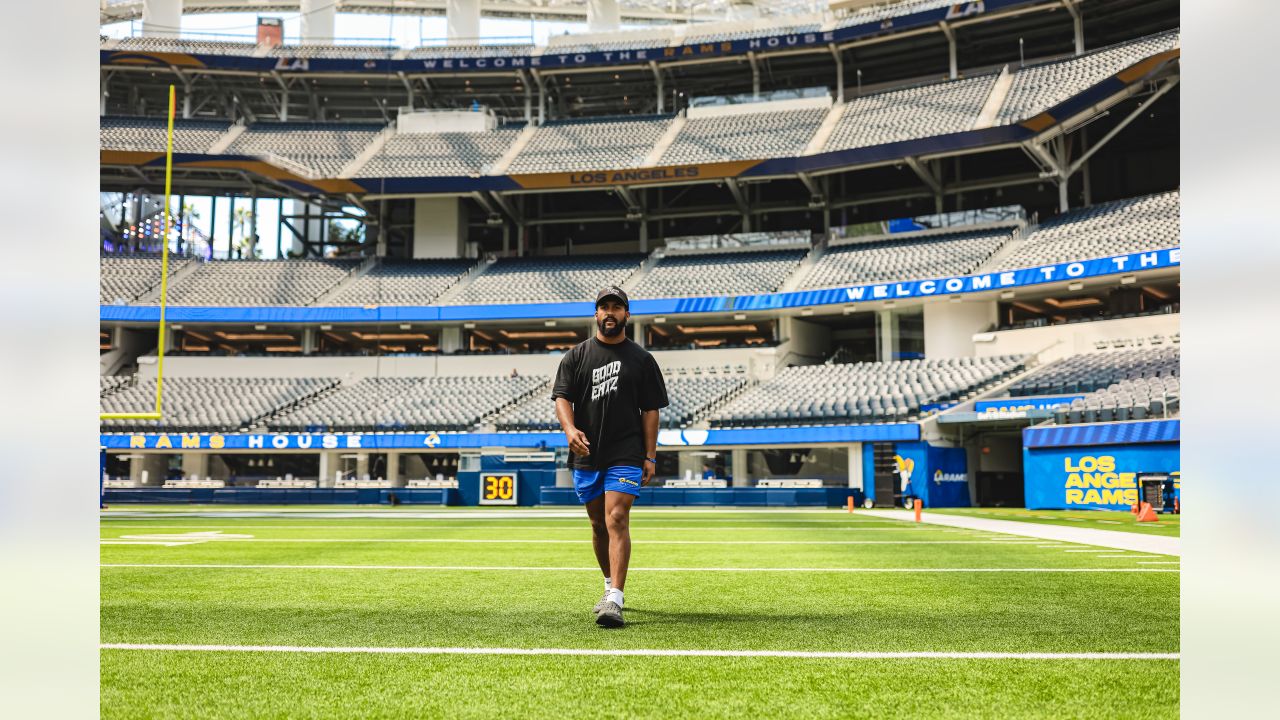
591	484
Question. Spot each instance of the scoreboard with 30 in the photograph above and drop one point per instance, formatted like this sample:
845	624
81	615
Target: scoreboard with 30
498	488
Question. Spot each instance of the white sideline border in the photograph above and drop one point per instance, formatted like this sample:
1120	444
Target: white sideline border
1113	539
618	652
143	540
542	568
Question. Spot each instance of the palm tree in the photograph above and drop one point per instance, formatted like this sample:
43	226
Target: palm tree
244	224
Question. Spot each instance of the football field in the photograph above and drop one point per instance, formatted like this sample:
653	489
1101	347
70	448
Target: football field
470	614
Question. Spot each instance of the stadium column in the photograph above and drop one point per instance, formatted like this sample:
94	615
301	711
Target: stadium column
194	463
362	465
317	21
949	327
393	469
450	339
328	466
738	467
161	18
462	21
855	466
603	16
154	465
886	334
439	227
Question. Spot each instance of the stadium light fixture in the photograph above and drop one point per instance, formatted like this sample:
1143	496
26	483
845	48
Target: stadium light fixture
850	309
806	312
1076	286
1006	295
955	298
1128	279
739	316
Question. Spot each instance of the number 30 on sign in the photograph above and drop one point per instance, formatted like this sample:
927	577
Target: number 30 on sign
498	488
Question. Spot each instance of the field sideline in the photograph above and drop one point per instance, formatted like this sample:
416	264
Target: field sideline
730	614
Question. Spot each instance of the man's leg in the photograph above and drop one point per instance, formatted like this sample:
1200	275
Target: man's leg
599	533
617	510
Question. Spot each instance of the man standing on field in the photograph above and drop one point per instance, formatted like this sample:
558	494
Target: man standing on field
608	392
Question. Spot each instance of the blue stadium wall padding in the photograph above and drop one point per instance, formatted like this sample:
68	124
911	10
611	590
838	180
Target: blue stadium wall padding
530	479
282	496
707	497
936	475
1093	477
270	442
1142	431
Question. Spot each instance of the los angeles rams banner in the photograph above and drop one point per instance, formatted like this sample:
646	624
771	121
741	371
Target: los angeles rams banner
1099	477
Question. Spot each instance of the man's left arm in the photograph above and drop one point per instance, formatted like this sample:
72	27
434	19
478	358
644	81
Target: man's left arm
649	420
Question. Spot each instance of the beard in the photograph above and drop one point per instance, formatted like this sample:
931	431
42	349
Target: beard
609	330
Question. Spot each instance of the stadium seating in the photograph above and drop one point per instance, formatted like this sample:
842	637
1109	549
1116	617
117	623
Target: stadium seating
742	30
402	282
756	136
919	112
1138	224
1097	371
576	146
726	273
408	404
886	11
123	278
151	134
653	37
217	404
440	154
259	282
467	51
324	148
688	395
861	392
178	45
1037	88
548	279
908	258
356	52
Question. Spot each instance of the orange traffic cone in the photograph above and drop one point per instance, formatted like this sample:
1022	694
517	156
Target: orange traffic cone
918	504
1146	514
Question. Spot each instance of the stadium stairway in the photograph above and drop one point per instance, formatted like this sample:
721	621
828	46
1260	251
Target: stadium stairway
701	421
488	423
828	126
175	277
373	148
1016	238
463	283
645	268
517	146
360	271
664	142
806	265
221	144
259	424
995	100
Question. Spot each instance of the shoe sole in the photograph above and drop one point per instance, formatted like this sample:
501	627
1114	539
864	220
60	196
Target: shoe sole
609	621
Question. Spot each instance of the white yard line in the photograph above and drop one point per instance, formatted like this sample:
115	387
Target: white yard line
577	528
1114	539
539	568
594	652
507	541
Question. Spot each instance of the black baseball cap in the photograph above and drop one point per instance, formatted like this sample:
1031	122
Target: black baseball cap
613	291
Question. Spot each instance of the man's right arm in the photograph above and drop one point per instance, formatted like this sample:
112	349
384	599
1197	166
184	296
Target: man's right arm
577	439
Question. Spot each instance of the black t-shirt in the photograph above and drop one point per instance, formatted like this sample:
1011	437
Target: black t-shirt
609	386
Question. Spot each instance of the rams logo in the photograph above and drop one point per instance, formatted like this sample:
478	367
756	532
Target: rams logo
905	467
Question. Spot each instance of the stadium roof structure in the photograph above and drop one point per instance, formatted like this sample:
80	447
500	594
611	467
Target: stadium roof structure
650	11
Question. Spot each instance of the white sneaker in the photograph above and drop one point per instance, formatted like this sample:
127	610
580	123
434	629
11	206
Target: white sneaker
600	605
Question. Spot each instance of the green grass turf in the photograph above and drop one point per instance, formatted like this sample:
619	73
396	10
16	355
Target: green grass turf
669	609
1169	524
